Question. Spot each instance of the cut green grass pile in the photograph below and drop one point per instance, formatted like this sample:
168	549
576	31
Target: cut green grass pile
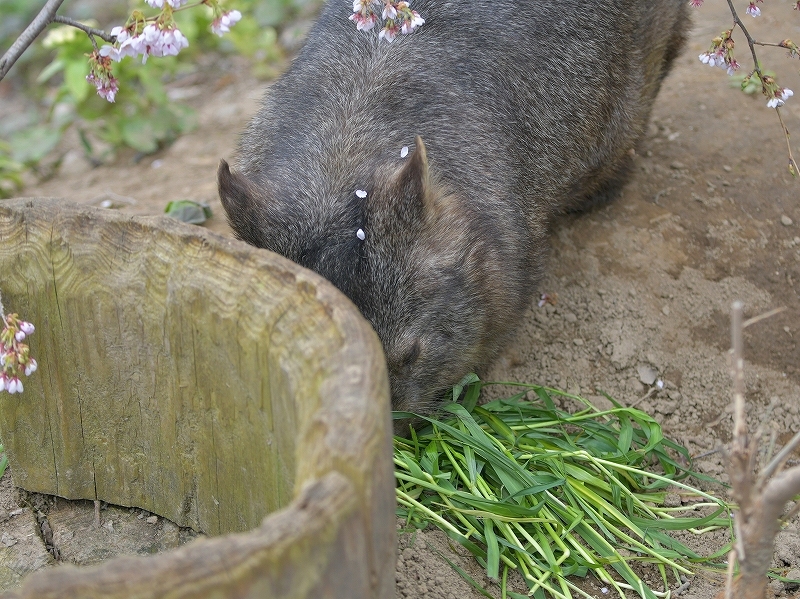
529	487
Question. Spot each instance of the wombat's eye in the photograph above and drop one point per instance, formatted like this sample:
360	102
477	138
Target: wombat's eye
412	354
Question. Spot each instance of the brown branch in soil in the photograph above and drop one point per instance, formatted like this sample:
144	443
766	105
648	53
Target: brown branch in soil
32	31
760	505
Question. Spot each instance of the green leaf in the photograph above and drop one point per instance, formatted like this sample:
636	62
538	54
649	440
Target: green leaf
500	427
464	382
54	67
188	211
30	145
492	550
139	134
75	80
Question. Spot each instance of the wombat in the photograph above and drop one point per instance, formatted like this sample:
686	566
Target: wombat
512	111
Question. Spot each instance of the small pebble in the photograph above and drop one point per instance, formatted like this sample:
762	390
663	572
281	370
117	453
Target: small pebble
677	166
726	168
665	310
647	374
157	163
361	193
786	221
404	152
152	520
106	204
578	342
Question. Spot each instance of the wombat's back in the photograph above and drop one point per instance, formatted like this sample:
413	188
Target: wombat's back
552	93
526	108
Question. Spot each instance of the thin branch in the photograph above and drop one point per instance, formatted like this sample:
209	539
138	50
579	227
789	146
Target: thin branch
737	373
757	43
779	459
780	490
750	41
90	31
729	574
763	316
792	162
32	31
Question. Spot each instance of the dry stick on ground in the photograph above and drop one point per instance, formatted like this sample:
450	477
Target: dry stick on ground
761	497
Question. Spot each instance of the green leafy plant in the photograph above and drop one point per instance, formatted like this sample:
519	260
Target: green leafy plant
188	211
3	460
525	486
10	172
143	117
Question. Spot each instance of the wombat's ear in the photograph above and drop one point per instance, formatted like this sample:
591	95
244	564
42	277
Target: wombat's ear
235	191
239	198
411	183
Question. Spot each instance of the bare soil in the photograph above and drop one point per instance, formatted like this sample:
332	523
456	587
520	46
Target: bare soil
643	286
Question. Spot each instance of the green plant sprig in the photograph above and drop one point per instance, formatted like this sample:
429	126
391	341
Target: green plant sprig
526	486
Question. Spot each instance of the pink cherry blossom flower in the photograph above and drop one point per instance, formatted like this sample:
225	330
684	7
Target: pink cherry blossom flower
389	11
15	356
411	24
781	95
160	3
364	22
225	21
31	367
100	76
15	386
753	10
389	31
696	3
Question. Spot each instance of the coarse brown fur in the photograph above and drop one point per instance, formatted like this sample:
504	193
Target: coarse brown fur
527	109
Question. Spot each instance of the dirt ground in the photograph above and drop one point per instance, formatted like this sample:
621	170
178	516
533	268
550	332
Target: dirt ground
643	287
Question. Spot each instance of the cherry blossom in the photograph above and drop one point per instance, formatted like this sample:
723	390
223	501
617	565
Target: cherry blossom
225	21
15	358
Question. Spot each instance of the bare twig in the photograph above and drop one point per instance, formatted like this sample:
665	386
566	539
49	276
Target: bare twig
752	43
32	31
792	163
737	22
729	574
779	460
765	315
90	31
737	372
761	500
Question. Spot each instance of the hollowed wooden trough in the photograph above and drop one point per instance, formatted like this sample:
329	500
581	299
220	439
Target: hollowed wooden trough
210	383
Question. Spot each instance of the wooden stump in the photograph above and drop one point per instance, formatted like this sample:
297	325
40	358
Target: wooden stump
210	383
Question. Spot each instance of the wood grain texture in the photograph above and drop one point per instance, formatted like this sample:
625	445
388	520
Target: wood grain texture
205	381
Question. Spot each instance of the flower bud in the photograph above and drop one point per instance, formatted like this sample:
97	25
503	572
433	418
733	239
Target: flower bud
30	367
26	327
